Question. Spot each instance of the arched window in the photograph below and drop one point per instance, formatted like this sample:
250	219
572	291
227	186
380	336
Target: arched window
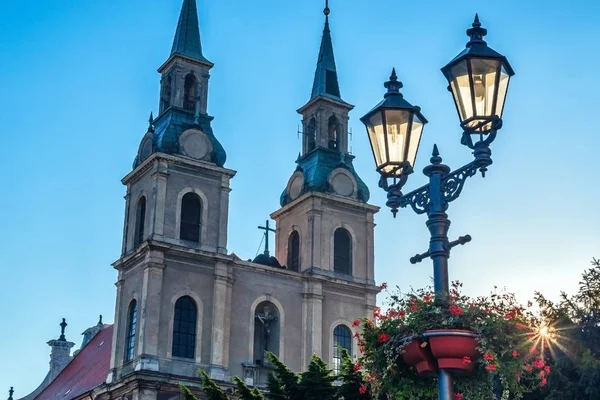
131	331
266	331
294	251
166	93
190	92
342	339
342	251
140	219
311	131
184	327
332	132
191	211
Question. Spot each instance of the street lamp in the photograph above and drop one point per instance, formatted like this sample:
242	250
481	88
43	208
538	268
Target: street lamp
478	79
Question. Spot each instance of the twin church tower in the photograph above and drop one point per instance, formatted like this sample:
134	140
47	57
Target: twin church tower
184	301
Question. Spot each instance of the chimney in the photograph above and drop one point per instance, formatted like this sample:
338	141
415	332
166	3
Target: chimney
60	355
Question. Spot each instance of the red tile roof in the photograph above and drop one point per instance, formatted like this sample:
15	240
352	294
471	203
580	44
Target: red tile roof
86	371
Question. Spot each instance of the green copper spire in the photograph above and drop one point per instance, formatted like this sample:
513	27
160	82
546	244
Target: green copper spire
326	82
187	37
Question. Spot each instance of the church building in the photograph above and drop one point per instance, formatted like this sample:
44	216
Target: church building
184	300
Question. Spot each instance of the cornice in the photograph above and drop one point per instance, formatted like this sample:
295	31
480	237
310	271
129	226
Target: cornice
351	203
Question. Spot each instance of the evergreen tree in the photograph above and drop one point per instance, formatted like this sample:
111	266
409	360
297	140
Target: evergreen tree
352	381
209	387
274	388
317	382
288	379
244	391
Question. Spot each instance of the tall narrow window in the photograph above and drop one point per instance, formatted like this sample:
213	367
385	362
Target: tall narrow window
332	132
342	339
131	331
342	251
166	93
140	218
184	328
294	251
190	89
191	211
311	132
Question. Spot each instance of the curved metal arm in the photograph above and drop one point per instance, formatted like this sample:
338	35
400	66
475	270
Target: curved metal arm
453	183
418	199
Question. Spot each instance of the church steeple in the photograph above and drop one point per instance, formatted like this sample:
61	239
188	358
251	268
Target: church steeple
187	37
326	81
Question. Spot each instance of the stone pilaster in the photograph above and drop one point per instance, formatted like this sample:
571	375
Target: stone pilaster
159	177
370	249
312	330
221	326
126	223
117	329
223	215
149	312
316	242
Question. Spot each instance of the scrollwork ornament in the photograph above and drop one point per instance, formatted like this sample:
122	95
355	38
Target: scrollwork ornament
417	199
453	183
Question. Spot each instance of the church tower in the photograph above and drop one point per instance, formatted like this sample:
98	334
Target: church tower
173	283
325	226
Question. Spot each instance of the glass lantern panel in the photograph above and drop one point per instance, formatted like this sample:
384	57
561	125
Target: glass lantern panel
484	85
502	89
376	137
415	138
461	89
397	126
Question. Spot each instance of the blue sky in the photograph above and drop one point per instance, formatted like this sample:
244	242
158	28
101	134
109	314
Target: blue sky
78	80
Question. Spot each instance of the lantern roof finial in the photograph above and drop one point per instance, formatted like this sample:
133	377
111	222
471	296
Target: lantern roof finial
393	85
476	32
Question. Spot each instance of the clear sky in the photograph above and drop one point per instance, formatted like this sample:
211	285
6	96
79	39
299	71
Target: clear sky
78	80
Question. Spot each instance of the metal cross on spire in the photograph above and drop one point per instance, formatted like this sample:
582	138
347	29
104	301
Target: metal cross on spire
267	229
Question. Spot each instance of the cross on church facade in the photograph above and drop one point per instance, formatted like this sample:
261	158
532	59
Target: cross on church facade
267	229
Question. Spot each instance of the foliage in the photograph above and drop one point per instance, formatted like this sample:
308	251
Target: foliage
575	343
507	365
316	383
353	385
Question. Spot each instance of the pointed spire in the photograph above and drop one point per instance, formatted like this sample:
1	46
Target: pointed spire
10	393
63	325
326	82
150	129
393	85
187	37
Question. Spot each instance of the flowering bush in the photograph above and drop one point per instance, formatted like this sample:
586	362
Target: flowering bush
508	363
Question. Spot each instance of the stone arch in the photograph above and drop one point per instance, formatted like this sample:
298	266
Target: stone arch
354	344
333	132
190	92
252	325
199	322
294	251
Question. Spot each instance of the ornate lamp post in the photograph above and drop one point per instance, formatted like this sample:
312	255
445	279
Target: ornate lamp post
478	79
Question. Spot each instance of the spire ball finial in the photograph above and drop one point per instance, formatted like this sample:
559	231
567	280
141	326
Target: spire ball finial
327	11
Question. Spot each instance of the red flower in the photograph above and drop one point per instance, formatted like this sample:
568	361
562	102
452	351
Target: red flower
538	363
413	307
520	326
377	312
426	298
528	368
466	360
362	389
547	369
456	310
488	357
357	367
356	322
514	353
543	382
401	313
356	334
491	367
458	396
384	337
383	286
